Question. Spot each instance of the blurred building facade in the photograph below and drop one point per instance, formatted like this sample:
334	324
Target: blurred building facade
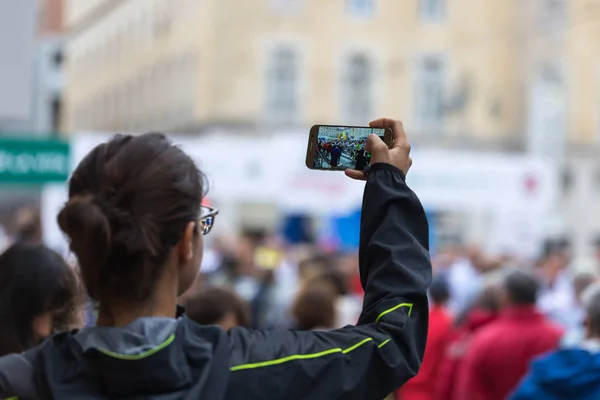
448	68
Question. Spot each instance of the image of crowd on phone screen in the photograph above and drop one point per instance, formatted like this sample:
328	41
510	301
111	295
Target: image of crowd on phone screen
341	148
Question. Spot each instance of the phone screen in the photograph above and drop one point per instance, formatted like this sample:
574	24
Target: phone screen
340	147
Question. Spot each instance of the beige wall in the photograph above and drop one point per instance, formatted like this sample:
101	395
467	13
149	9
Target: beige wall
133	68
395	39
77	10
210	65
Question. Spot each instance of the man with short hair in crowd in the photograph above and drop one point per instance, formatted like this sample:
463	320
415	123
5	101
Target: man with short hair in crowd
314	307
572	373
500	353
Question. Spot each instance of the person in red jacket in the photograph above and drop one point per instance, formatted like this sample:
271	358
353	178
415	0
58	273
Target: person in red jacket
422	386
500	353
484	311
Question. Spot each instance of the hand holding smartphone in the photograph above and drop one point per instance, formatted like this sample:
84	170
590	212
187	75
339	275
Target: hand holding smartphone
337	148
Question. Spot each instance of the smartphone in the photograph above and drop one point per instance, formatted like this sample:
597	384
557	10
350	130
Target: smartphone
337	148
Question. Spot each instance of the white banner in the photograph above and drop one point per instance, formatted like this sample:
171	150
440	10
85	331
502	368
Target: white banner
272	169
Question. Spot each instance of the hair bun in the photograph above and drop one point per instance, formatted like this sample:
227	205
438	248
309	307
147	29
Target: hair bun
84	221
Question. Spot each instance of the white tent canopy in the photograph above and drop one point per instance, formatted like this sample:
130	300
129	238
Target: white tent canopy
273	169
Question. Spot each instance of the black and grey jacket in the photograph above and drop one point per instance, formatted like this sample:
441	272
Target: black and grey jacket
163	358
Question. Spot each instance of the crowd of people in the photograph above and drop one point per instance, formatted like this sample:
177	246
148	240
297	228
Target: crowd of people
342	153
491	319
483	342
504	329
495	327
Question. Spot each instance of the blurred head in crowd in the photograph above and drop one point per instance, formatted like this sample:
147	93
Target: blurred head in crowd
218	306
135	223
439	291
489	299
39	294
311	267
314	307
330	277
556	257
28	225
519	289
591	302
486	306
245	251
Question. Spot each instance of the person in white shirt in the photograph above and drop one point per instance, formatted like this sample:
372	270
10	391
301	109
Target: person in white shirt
557	299
466	280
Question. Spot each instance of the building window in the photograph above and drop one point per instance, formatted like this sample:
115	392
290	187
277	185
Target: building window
554	14
432	10
162	19
282	84
55	114
57	58
547	119
357	87
360	7
429	92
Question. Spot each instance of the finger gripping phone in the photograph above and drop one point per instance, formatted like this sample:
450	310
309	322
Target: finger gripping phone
337	148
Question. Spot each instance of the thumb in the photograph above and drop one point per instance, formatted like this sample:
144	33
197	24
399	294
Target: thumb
372	142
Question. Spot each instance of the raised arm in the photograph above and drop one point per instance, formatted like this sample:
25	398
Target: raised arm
385	349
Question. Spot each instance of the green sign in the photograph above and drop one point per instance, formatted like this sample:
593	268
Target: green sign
31	161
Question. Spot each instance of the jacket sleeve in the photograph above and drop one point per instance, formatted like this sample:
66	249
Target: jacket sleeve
17	376
385	349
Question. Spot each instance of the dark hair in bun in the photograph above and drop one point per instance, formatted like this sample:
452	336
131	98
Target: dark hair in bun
129	202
